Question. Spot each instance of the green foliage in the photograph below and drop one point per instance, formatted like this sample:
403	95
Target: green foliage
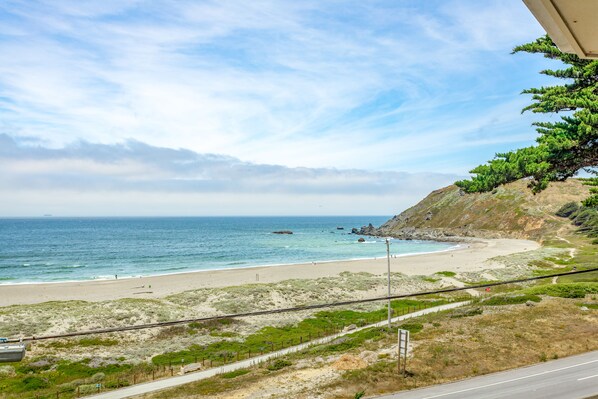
566	210
585	217
273	338
31	383
563	147
235	373
467	312
359	394
278	364
447	274
412	327
510	299
567	290
592	201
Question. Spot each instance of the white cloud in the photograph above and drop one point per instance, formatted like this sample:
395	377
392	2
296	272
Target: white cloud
291	83
137	179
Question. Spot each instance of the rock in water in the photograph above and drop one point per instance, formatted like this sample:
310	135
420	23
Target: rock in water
282	232
361	239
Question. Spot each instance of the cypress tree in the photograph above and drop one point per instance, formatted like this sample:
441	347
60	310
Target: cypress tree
564	147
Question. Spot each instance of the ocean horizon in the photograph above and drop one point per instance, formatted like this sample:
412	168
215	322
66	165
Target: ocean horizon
59	249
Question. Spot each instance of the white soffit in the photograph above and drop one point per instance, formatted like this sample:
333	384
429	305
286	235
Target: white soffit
571	24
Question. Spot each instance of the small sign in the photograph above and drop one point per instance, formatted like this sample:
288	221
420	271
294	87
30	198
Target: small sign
403	348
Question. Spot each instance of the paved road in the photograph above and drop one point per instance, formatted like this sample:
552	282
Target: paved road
201	375
574	377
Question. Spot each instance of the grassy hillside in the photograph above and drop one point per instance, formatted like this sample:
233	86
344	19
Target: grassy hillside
508	211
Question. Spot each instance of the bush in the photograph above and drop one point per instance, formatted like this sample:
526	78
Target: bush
466	313
568	209
412	327
566	290
279	364
510	299
235	373
34	383
97	377
447	274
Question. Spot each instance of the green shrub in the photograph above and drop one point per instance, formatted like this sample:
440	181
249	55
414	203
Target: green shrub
510	299
278	364
466	313
412	327
566	290
32	383
235	373
568	209
447	274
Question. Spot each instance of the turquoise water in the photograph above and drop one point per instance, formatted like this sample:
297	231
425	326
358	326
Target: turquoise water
65	249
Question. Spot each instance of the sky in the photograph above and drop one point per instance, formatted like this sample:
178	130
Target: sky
113	108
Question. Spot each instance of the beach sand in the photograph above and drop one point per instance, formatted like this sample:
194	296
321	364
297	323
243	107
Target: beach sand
470	257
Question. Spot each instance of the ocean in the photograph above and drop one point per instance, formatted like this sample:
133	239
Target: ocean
55	249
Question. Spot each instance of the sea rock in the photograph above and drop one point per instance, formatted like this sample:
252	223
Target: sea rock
361	239
368	230
354	230
282	232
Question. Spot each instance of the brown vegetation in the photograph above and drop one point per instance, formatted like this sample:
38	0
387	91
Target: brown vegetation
509	211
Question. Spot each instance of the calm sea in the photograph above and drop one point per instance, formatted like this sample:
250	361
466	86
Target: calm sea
63	249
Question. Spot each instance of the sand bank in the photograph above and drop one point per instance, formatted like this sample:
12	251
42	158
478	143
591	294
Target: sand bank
470	257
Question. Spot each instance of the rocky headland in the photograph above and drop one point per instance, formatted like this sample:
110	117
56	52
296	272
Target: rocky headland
510	211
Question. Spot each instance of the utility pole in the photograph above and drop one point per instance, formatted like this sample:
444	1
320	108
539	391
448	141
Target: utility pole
388	259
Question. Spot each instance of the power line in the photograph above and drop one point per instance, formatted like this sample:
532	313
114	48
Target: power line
287	310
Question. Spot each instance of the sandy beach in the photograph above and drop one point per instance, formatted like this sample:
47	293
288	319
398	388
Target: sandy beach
469	257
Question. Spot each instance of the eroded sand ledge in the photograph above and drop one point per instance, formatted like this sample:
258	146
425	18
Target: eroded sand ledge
471	257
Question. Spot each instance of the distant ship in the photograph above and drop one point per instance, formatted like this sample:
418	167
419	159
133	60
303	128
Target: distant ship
340	228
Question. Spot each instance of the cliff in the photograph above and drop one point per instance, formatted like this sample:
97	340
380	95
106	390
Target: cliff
510	211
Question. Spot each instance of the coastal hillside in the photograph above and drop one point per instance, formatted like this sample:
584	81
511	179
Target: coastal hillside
509	211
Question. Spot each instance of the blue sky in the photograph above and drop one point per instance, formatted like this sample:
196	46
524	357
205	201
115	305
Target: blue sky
262	107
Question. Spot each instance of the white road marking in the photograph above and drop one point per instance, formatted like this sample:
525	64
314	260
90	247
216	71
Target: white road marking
585	378
514	379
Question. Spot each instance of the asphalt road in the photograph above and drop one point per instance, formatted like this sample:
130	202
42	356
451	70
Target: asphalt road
574	377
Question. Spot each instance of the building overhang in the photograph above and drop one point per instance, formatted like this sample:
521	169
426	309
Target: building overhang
571	24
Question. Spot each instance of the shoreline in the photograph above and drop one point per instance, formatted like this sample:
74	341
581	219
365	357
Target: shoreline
455	247
470	257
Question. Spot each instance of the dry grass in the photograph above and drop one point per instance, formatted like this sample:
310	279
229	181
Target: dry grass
500	339
446	349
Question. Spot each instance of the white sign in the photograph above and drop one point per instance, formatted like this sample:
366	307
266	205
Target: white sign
403	348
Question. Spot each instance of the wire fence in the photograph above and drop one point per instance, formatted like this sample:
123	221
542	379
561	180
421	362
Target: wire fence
152	372
293	309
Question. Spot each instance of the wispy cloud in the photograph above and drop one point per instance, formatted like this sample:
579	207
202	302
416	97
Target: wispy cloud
378	85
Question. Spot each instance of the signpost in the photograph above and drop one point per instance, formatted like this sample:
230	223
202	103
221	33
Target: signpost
388	261
403	347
